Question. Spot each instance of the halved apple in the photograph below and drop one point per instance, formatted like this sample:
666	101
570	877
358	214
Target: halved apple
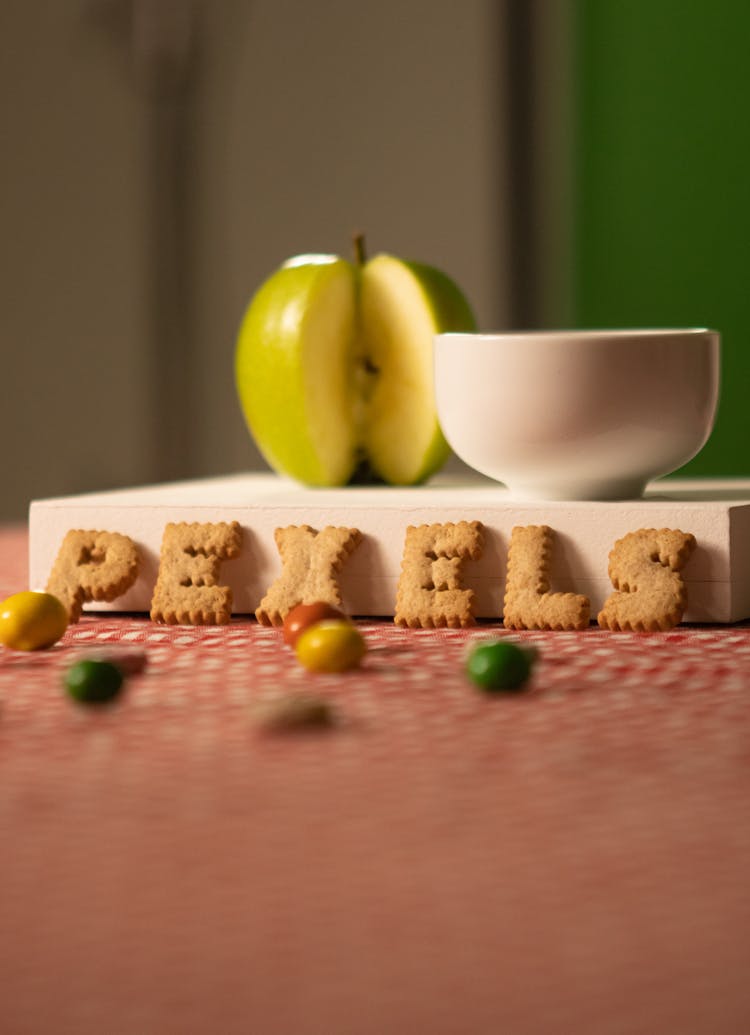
334	368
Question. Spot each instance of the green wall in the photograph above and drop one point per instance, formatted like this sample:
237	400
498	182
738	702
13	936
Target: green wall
662	184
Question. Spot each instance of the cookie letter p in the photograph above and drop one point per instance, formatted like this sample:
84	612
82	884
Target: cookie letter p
644	568
92	565
187	590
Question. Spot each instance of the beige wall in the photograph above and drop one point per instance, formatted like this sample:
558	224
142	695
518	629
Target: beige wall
72	317
140	219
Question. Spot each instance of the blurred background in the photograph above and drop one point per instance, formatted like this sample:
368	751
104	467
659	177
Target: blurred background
568	162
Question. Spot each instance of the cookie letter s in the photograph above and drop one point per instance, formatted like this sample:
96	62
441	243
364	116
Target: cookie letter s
644	568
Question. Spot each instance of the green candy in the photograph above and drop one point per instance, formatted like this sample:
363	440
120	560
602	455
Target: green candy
499	665
93	682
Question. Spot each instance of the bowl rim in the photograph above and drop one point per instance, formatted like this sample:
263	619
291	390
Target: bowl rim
586	333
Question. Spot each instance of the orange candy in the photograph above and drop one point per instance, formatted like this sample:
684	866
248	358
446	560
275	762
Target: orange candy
304	615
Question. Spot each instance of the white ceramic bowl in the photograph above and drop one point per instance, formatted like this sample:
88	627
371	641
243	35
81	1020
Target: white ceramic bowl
577	414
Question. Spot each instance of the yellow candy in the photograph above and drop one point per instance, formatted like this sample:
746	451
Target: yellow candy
330	646
31	621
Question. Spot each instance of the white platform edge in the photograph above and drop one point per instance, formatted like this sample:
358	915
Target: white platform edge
716	512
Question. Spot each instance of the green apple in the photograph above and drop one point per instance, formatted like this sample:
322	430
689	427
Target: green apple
334	368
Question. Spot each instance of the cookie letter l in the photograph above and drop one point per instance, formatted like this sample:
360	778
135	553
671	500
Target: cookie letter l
528	601
92	565
186	591
429	588
310	561
644	568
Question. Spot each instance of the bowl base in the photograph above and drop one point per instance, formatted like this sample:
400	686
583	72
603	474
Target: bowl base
622	489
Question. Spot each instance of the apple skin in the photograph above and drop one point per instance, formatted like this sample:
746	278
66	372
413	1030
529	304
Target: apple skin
280	369
321	366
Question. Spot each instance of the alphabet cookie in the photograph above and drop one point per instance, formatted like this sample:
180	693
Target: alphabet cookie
429	592
187	590
310	562
644	568
529	604
92	565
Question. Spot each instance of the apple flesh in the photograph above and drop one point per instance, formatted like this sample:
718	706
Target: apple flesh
334	368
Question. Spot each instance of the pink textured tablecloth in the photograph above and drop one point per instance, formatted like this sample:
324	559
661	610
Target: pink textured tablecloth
572	859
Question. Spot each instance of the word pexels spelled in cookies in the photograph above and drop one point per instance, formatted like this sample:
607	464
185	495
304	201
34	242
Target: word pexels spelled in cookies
644	568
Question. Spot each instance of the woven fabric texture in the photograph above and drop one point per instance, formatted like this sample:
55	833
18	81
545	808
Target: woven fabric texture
571	858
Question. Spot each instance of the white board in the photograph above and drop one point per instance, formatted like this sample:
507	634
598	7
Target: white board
716	512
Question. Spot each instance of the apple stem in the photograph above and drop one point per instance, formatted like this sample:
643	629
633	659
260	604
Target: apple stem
360	252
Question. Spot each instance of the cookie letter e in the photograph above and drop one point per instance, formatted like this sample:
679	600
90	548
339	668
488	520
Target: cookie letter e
429	591
186	591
